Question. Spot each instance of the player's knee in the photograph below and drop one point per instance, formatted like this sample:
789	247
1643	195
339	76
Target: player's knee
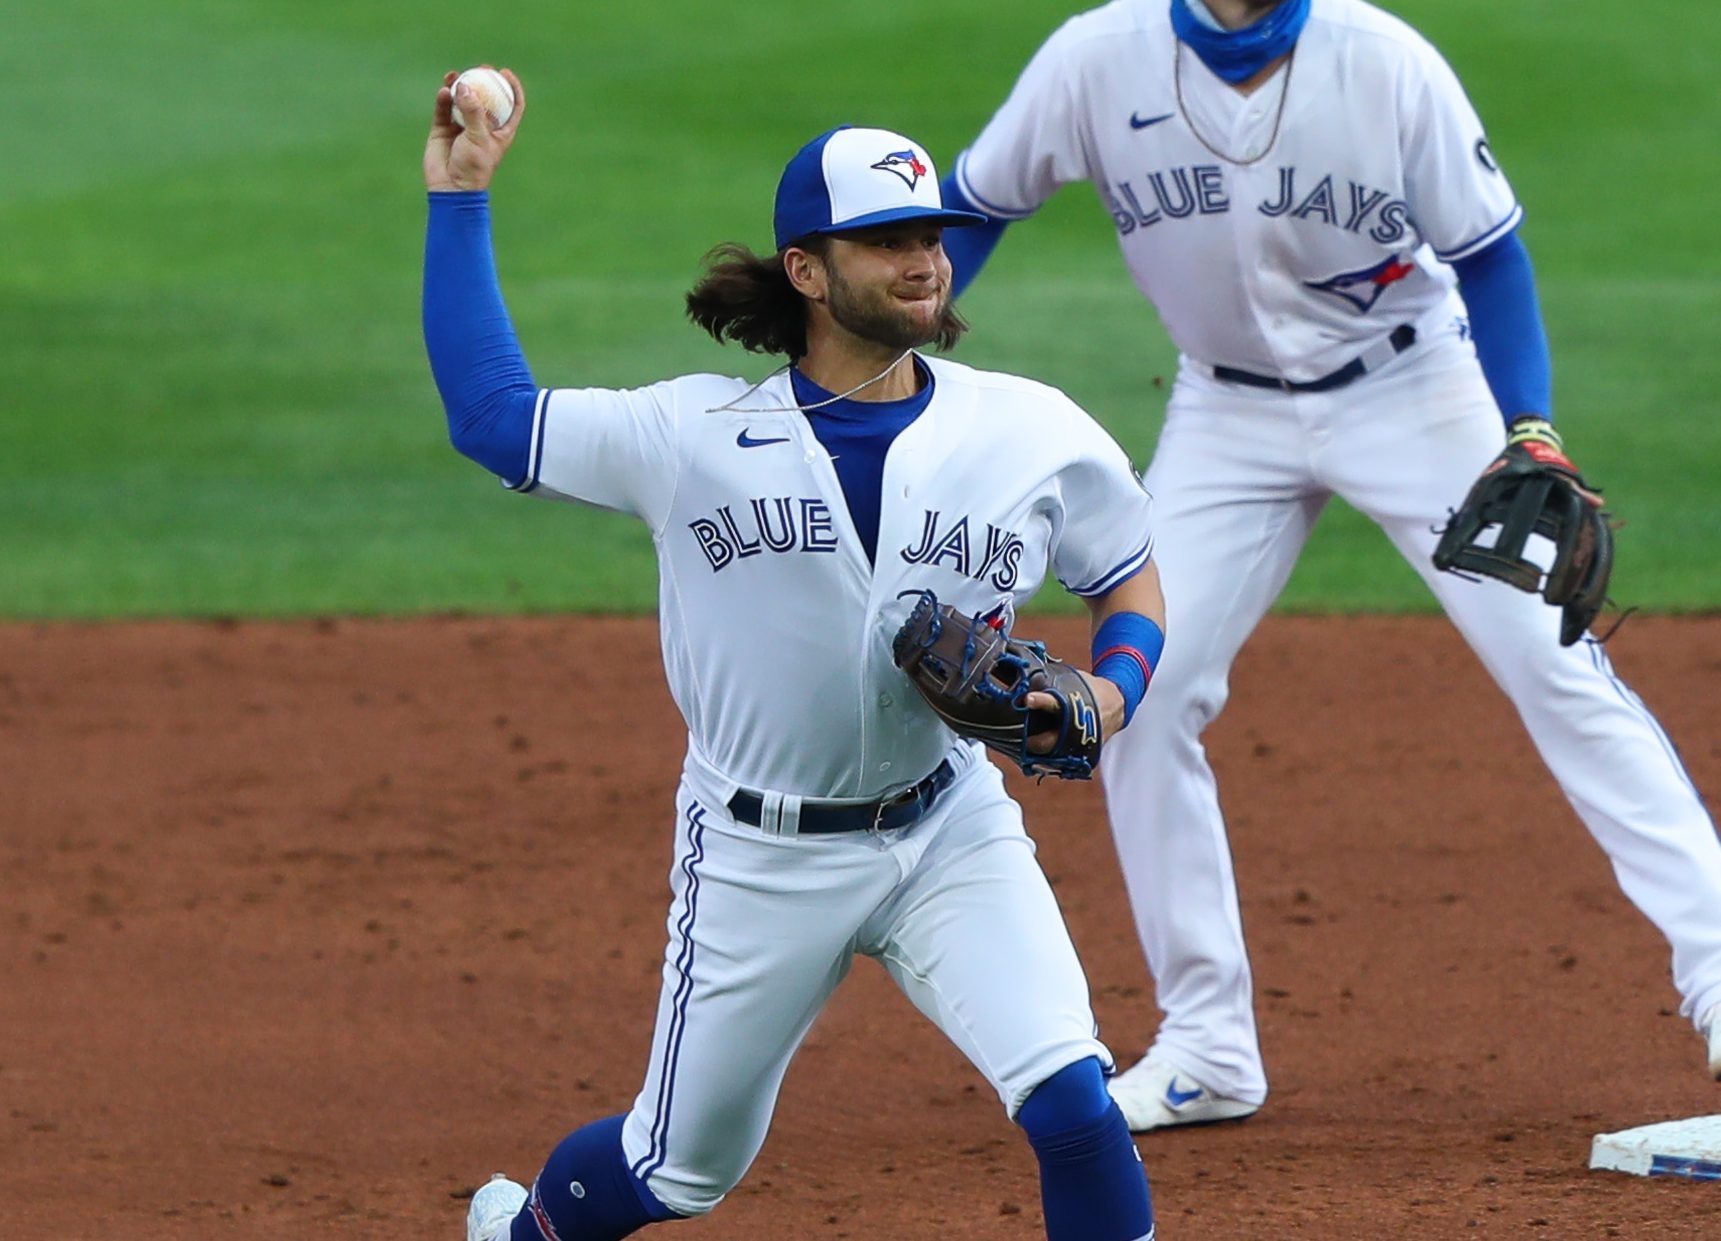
1199	696
1073	1098
687	1194
692	1167
698	1169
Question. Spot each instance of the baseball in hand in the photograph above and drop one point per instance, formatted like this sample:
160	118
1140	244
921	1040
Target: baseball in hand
492	90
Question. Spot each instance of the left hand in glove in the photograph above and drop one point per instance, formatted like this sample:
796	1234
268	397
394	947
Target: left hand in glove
1041	713
1532	487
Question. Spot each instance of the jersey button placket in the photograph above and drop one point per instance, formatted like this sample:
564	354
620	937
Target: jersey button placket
1249	236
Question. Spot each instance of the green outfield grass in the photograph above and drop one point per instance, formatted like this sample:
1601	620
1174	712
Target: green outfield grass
215	396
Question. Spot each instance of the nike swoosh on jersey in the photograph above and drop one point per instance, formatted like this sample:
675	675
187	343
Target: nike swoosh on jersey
744	440
1136	121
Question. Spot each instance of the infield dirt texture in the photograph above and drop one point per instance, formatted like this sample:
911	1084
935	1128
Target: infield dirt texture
308	923
309	927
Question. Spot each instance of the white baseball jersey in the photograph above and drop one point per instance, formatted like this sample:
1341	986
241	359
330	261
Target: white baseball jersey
1281	232
776	630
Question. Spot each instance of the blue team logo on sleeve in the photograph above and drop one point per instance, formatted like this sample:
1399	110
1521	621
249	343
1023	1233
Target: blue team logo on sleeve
905	164
1362	289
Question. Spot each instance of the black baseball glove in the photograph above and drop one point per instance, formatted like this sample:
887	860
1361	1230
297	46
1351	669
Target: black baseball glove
1533	488
977	678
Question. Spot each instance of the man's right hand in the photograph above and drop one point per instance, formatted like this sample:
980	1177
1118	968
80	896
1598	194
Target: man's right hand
466	159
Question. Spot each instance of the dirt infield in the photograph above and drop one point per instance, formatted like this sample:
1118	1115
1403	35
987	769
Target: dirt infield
306	928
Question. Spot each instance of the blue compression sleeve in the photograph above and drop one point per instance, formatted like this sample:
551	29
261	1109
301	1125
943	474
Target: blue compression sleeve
1499	290
1092	1184
480	371
968	247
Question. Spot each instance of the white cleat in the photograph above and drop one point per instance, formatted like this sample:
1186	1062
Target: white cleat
1157	1095
1712	1028
493	1208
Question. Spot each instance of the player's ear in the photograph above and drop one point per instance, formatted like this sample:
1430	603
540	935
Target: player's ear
806	272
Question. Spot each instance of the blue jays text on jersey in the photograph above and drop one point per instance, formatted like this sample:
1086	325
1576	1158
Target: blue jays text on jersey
1200	189
793	523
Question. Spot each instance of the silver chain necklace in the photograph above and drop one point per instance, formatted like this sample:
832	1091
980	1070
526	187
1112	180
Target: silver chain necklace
1278	116
804	409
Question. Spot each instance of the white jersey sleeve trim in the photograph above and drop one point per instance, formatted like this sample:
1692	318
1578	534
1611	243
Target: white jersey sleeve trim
535	456
1486	239
1136	562
974	196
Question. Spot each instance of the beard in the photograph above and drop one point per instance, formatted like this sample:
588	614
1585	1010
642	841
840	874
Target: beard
876	317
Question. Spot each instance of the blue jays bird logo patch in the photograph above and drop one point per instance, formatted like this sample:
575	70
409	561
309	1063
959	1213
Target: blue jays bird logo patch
905	164
1362	289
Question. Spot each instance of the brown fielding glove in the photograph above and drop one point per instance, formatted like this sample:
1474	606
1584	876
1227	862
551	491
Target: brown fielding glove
976	677
1533	488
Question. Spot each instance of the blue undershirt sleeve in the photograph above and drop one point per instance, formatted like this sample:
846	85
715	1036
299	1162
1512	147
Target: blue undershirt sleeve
1499	291
970	246
486	387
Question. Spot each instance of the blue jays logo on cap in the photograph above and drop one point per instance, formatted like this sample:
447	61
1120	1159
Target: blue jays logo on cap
852	178
905	164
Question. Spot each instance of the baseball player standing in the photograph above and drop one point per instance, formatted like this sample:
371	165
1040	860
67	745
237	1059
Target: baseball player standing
1304	193
823	810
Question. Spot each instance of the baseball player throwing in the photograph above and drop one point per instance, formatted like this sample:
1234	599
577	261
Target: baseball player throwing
1306	196
824	810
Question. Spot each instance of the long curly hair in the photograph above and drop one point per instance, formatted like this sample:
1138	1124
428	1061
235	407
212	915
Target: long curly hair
747	298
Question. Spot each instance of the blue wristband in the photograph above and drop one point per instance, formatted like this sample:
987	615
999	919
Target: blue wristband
1126	650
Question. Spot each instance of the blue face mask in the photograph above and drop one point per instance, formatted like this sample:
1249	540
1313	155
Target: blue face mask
1237	55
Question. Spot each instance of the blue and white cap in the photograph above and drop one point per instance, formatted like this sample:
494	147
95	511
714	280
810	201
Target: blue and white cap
853	178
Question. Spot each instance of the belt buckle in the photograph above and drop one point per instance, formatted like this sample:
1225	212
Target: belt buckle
906	797
879	808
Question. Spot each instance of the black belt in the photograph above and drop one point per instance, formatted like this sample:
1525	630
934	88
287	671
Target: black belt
1402	338
823	818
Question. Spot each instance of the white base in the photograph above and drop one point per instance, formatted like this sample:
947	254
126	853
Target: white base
1690	1148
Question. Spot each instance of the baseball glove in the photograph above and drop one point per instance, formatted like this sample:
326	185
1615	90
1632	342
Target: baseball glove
976	676
1533	488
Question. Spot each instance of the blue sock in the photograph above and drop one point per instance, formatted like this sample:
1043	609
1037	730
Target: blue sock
1092	1184
587	1193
